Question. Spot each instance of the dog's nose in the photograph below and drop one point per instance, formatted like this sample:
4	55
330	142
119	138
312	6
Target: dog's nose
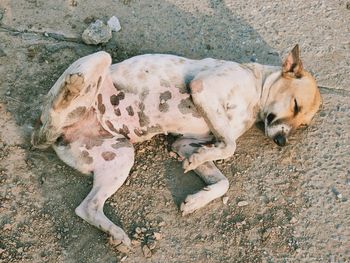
280	140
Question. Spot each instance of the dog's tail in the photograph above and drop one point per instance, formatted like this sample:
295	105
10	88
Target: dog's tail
70	98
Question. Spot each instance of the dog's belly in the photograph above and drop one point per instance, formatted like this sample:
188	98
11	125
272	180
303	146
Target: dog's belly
148	95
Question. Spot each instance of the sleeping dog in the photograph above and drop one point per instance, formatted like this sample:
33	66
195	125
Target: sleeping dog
96	111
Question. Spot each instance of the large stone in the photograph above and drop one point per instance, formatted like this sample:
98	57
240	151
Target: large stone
97	33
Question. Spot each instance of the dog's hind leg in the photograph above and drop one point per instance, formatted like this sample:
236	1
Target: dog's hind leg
110	160
71	97
217	183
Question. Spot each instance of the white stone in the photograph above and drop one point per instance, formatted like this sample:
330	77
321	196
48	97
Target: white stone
114	24
242	203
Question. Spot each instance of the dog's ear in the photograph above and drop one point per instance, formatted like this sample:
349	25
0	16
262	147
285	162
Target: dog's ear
292	65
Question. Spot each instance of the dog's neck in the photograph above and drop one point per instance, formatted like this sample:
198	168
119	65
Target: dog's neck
266	77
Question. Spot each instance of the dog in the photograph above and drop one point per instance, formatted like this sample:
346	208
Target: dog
96	111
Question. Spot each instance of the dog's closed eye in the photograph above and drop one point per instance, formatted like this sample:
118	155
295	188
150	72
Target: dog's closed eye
296	107
270	118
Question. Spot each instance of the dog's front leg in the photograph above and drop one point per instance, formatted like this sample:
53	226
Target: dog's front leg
217	183
212	110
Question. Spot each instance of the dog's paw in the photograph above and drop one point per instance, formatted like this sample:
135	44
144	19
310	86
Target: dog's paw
194	202
119	239
119	245
192	162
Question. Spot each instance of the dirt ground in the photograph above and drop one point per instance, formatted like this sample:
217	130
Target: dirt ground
298	196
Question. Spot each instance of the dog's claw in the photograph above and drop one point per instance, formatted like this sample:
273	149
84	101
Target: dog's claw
122	245
188	166
191	163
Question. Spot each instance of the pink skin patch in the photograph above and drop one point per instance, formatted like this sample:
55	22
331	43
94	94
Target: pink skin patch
196	86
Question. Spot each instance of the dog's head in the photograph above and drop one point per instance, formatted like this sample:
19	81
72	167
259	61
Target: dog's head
292	101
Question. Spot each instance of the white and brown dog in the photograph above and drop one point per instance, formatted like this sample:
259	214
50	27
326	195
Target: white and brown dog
96	111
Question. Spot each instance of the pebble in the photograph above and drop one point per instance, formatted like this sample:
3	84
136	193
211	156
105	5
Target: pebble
114	24
242	203
135	242
225	200
162	223
7	227
337	193
293	220
123	248
146	251
157	236
138	230
97	33
172	154
152	245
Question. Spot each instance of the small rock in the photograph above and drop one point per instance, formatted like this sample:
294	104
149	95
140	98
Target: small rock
127	183
20	250
74	3
162	223
7	227
172	154
253	58
122	248
242	203
337	193
225	200
135	242
157	236
97	33
293	220
146	251
138	230
114	24
152	244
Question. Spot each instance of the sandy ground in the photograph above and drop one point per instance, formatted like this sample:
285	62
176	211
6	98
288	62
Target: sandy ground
298	196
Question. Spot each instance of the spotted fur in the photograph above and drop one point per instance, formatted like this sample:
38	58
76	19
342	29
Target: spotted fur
96	111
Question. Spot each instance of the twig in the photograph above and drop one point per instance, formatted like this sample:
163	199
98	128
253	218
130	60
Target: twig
56	36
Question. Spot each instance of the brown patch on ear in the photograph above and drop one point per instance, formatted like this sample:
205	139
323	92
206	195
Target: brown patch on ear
292	65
